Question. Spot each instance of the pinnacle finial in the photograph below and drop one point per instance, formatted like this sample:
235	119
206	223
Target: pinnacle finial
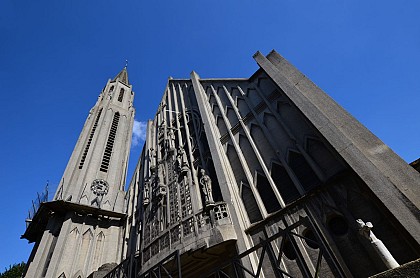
126	63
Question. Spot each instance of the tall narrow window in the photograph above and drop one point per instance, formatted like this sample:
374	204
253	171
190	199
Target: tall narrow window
110	143
285	185
267	194
121	95
250	203
323	157
92	132
303	171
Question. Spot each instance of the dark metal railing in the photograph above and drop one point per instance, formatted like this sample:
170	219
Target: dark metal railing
169	267
126	269
41	198
285	245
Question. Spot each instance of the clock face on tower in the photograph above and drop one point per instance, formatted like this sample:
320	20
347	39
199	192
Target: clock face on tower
99	187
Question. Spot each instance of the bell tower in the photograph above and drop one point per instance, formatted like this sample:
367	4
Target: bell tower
86	215
96	172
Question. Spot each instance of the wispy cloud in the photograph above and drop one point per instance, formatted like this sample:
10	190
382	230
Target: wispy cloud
139	132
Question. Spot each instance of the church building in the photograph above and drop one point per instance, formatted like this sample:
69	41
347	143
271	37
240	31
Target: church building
263	176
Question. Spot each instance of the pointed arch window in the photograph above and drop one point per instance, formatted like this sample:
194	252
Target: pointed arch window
322	156
110	143
284	183
250	203
267	194
121	95
303	171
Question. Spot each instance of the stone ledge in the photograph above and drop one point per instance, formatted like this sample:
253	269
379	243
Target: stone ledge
408	270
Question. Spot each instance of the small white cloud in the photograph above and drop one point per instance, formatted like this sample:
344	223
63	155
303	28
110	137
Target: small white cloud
139	132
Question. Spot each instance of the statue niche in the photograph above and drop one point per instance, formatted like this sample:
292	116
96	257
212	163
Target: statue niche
205	182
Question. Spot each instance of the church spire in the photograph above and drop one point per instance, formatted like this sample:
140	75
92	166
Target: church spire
122	76
93	186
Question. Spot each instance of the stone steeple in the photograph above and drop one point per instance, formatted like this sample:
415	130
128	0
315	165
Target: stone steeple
85	216
122	76
96	172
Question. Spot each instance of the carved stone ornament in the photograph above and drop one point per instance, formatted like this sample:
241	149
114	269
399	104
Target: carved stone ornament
205	182
171	139
99	187
146	199
365	229
162	190
182	161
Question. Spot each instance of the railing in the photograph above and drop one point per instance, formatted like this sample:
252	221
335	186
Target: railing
161	241
280	255
277	255
288	244
169	267
41	198
126	269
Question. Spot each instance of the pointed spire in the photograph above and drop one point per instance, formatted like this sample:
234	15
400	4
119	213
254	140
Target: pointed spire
123	76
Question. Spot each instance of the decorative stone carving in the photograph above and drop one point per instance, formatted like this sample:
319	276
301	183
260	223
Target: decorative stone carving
365	229
162	190
161	129
161	170
182	161
161	106
146	195
205	182
99	187
170	140
152	156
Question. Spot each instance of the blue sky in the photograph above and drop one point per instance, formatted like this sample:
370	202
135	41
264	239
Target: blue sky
56	56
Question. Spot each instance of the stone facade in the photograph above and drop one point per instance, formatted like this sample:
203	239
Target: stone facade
264	175
290	169
74	231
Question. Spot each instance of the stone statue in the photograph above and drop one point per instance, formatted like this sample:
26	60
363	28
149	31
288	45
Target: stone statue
171	139
205	182
179	157
365	229
152	155
162	206
146	198
161	128
182	160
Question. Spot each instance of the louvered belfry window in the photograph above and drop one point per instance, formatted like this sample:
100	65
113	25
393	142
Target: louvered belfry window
110	143
92	132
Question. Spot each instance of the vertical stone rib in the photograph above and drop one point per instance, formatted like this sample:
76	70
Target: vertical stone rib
196	189
278	153
241	157
256	151
354	142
